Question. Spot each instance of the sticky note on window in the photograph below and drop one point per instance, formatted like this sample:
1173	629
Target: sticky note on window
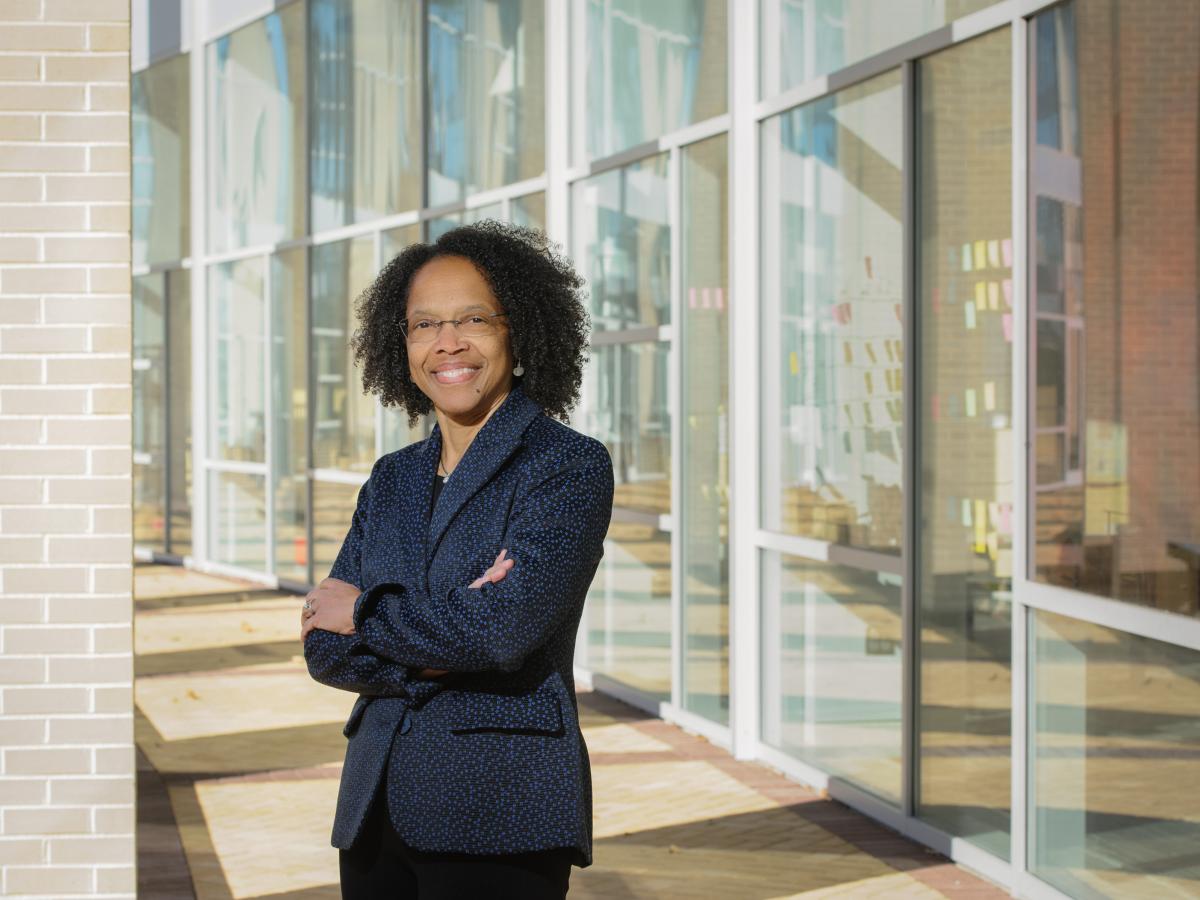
1007	322
989	395
981	254
993	295
981	294
966	512
794	362
966	257
994	254
1006	251
969	311
1006	286
969	401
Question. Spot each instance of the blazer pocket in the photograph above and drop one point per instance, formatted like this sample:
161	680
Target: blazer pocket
536	713
356	714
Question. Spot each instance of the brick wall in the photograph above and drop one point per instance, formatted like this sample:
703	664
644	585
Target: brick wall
66	665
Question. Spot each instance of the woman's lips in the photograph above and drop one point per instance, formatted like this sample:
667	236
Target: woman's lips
456	375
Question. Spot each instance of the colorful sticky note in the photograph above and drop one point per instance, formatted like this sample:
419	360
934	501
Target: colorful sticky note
966	512
981	254
969	311
981	529
1007	322
935	407
966	257
720	297
794	362
989	395
1006	251
848	353
691	298
993	295
870	352
867	380
1006	286
994	254
969	401
936	297
981	294
1004	520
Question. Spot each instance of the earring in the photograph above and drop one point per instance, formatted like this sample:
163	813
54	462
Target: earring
519	369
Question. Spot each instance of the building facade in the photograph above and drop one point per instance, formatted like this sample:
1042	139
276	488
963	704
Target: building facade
895	342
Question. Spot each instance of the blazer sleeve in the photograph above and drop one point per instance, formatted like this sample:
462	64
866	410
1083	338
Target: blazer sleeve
327	654
555	538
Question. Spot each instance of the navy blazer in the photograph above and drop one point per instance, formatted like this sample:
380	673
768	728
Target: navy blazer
489	758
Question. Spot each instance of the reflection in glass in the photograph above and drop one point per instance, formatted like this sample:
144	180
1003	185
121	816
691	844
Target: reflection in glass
651	68
1114	801
365	148
160	134
256	132
289	407
529	211
239	360
486	96
435	228
628	616
965	501
626	410
832	332
333	508
238	523
1116	504
704	517
397	432
831	669
622	236
343	416
180	450
805	39
149	411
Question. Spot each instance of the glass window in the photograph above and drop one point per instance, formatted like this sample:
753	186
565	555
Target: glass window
365	145
486	74
629	619
397	432
256	133
1115	298
238	370
343	415
529	211
651	68
704	517
238	526
622	236
160	131
149	411
333	508
831	669
805	39
180	455
833	272
289	410
1114	801
965	499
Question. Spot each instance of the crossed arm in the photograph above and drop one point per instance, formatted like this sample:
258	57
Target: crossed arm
555	539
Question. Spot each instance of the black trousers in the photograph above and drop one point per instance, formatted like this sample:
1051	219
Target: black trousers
380	865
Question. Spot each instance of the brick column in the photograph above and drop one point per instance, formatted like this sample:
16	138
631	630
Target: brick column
66	658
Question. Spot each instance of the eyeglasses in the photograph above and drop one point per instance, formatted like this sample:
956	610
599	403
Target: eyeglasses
422	331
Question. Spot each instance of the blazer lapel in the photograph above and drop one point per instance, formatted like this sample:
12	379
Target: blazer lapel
492	446
418	484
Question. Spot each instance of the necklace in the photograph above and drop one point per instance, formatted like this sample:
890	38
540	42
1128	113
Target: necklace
442	471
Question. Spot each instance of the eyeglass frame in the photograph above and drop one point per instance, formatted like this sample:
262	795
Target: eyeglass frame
403	323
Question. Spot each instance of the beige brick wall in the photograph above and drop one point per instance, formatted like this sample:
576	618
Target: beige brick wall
66	663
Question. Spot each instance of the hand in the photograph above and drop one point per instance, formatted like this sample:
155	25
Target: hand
496	573
331	608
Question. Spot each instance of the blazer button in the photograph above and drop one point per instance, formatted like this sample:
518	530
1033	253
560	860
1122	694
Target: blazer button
406	722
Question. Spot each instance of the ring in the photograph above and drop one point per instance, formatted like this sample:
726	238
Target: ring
307	603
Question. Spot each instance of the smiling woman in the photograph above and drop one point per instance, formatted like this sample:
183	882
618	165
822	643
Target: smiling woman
453	605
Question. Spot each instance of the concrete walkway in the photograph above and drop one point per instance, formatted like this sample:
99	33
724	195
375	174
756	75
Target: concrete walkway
240	752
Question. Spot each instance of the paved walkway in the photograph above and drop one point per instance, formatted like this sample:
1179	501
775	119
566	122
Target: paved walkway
240	752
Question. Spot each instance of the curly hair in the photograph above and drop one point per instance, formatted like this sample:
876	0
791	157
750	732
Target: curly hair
535	285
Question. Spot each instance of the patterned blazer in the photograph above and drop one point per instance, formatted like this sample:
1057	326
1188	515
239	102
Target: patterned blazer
489	758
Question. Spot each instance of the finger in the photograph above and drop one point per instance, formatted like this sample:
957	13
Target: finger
500	557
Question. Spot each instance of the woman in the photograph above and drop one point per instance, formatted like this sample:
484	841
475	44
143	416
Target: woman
453	604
